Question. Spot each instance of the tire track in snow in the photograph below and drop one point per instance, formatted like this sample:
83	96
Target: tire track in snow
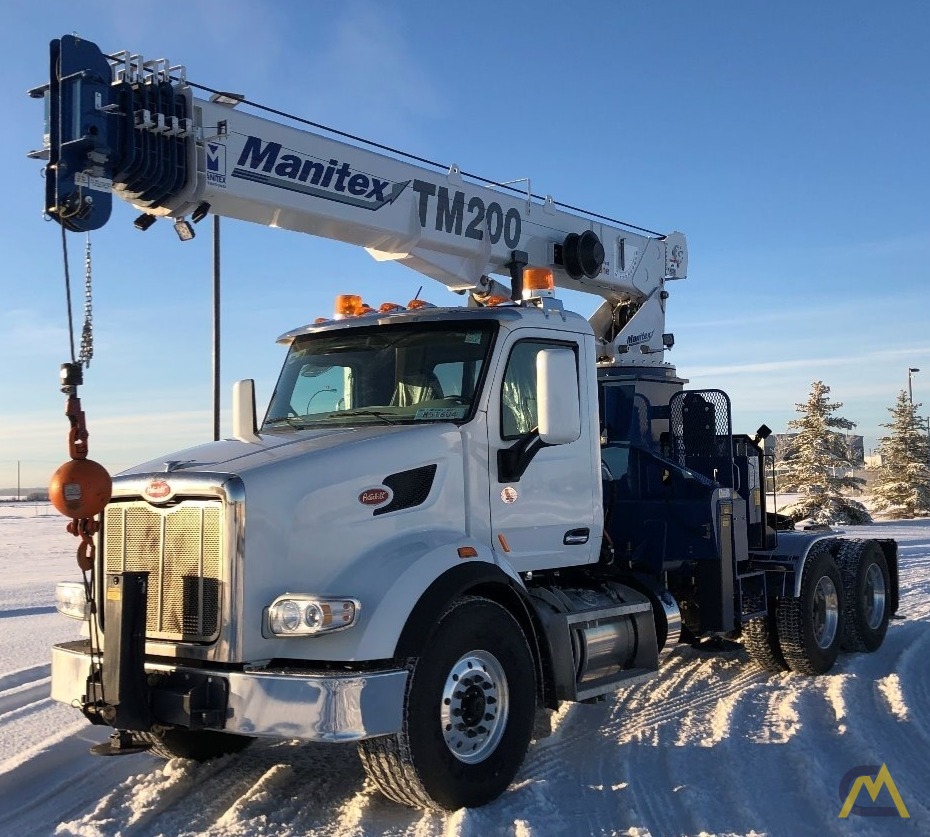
730	786
829	706
19	612
227	794
779	720
701	683
139	802
683	767
276	787
21	697
553	762
876	732
262	796
56	779
24	675
629	749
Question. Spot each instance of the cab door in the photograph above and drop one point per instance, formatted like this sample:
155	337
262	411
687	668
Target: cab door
550	515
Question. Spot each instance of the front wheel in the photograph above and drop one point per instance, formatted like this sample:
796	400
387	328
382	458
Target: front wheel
468	713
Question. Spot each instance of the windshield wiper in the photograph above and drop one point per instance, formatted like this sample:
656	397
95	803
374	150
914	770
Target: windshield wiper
374	413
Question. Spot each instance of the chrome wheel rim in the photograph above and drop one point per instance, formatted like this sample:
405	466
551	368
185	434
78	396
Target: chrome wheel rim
474	707
826	612
874	596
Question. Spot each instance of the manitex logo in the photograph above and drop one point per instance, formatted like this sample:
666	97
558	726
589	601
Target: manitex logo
216	164
270	163
642	337
855	780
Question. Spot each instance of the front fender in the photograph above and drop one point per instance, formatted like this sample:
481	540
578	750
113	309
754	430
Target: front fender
479	576
423	568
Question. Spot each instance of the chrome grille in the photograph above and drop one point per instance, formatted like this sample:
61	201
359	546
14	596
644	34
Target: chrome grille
181	550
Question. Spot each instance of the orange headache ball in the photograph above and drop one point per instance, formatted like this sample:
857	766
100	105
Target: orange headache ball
80	488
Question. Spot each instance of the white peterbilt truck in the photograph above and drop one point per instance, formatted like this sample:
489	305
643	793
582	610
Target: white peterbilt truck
450	519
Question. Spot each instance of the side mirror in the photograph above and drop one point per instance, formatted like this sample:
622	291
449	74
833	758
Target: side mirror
558	395
245	425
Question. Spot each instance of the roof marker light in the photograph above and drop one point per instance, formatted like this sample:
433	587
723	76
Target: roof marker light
348	305
390	307
537	281
414	304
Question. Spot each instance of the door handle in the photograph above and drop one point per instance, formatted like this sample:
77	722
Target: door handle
576	537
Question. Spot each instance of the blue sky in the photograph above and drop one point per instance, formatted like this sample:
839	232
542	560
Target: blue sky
788	141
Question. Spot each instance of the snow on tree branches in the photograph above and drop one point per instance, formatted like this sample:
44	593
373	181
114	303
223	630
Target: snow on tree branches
901	487
817	462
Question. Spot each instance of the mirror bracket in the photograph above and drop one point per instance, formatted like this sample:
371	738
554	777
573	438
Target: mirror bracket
512	462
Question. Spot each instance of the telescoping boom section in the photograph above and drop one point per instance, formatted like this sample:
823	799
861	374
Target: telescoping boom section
121	125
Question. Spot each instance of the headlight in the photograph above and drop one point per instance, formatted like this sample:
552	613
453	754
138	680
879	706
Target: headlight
298	615
71	600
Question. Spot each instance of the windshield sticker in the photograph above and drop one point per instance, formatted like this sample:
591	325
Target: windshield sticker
440	413
473	337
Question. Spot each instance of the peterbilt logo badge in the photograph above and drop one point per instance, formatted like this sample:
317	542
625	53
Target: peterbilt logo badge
375	496
157	489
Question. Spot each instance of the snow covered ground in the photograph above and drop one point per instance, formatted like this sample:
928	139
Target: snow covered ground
712	745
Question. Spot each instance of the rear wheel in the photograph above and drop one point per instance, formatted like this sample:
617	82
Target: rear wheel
810	627
866	585
199	745
468	714
760	636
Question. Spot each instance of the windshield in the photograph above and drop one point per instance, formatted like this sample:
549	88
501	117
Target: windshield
387	374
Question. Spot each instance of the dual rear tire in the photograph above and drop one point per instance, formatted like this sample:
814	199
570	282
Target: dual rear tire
867	589
810	627
843	604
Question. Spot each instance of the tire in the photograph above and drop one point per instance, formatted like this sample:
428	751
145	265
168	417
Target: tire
760	636
810	627
198	745
460	748
867	586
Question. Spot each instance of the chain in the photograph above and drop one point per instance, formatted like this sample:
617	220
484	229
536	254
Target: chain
87	334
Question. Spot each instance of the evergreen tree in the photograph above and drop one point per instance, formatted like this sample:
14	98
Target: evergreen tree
816	454
902	484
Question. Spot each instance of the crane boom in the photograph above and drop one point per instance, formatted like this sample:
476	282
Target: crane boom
121	125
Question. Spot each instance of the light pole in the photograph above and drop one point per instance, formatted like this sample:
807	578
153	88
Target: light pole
910	387
216	328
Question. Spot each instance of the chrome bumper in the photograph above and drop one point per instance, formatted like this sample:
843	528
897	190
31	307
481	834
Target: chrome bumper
313	707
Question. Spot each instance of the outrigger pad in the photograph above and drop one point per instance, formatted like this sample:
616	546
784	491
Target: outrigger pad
121	743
